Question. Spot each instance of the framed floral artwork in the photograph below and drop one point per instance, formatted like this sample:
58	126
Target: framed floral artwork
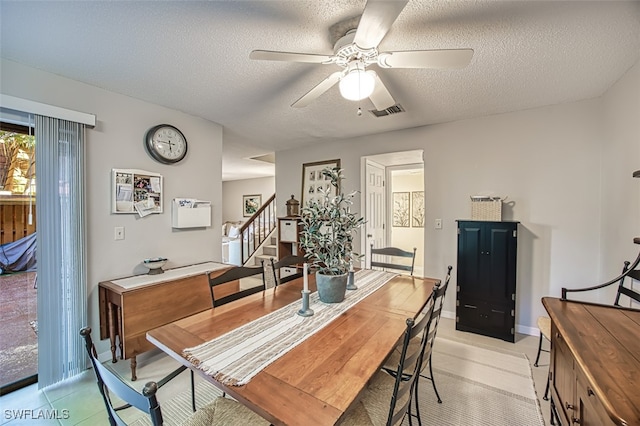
417	209
251	204
400	209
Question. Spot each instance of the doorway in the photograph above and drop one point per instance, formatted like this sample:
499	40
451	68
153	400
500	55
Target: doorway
393	198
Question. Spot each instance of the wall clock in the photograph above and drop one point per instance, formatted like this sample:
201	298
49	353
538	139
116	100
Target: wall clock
166	144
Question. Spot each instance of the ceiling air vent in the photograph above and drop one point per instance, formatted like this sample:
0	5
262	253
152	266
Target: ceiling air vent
395	109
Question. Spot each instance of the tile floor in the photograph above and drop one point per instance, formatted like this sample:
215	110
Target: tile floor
18	316
78	402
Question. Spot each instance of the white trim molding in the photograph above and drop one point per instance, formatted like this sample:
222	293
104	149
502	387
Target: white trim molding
33	107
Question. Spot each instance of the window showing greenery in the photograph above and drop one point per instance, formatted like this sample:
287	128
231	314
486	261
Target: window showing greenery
17	162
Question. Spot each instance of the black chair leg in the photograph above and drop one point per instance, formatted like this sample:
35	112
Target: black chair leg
554	415
535	364
416	402
433	382
546	390
193	393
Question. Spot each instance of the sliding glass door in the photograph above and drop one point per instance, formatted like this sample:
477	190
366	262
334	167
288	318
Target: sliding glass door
18	276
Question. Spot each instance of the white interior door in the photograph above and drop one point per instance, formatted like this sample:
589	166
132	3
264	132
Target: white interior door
375	206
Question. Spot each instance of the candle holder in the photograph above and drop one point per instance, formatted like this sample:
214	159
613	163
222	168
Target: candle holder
351	281
305	311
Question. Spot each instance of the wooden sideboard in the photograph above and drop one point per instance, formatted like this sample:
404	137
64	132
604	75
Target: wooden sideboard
595	363
129	307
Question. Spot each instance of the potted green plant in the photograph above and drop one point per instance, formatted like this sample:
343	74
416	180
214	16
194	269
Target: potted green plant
328	227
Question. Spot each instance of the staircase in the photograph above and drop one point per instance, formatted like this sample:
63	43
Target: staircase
257	231
267	251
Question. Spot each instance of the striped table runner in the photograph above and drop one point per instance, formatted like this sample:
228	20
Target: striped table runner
237	356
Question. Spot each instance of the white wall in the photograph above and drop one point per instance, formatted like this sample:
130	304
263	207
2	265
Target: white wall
546	160
621	193
233	190
117	142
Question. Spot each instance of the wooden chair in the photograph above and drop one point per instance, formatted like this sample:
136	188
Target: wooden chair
387	399
393	252
235	274
220	411
272	271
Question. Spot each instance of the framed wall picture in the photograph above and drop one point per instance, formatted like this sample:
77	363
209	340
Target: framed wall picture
251	204
417	209
136	191
400	209
314	184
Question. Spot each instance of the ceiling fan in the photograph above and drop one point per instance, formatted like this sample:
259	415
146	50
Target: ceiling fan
357	49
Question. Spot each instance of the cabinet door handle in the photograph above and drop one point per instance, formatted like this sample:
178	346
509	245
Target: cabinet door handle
570	406
590	391
575	420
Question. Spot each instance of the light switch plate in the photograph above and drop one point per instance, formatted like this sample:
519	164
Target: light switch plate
119	233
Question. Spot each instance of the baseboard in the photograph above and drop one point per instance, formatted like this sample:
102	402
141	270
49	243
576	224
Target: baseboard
531	331
448	314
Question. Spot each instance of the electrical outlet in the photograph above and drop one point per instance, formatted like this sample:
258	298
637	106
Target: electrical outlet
119	233
438	224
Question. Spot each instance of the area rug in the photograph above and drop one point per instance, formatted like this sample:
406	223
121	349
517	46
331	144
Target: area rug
479	386
176	410
174	397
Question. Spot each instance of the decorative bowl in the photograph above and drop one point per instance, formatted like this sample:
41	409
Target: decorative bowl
155	265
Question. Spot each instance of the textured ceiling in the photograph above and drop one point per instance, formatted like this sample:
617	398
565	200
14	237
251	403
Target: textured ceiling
194	57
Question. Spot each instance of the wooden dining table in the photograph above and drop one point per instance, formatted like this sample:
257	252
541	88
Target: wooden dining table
317	381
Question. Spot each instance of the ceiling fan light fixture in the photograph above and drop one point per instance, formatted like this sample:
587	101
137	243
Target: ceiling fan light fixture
357	84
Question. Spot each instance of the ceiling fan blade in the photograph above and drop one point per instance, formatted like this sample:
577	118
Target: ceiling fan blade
312	94
381	97
376	20
270	55
445	58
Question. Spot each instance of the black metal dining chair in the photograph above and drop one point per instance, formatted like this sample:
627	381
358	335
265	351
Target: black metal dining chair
396	390
273	270
235	274
436	302
393	253
219	411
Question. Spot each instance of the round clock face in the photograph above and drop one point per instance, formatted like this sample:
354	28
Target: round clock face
166	144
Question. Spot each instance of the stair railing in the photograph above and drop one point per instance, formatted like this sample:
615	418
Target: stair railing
257	228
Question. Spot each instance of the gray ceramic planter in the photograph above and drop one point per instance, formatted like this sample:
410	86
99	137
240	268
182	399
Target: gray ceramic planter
331	288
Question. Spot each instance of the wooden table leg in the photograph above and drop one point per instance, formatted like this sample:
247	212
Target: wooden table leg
133	368
120	331
112	331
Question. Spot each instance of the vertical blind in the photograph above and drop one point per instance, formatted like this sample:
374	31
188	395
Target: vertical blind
60	249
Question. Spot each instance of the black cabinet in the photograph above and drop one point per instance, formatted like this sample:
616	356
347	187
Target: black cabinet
486	278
